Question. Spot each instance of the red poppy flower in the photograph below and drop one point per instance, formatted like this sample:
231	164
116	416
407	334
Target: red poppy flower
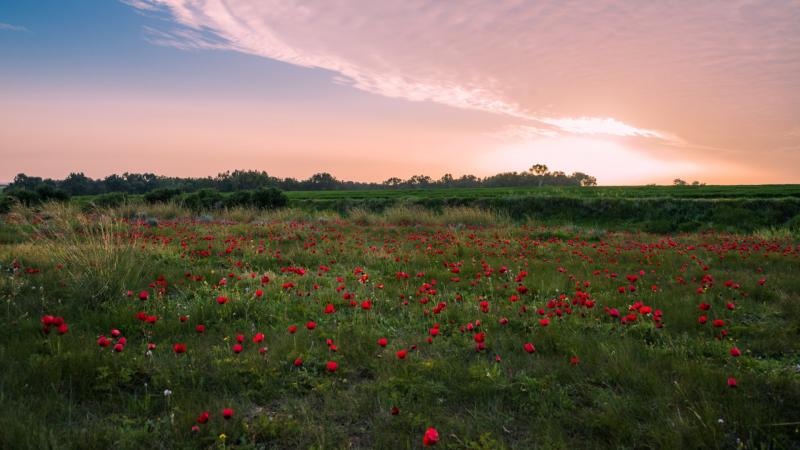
298	362
431	437
259	337
237	348
227	413
529	347
732	382
203	418
735	352
331	366
311	325
383	342
179	348
401	354
293	329
222	299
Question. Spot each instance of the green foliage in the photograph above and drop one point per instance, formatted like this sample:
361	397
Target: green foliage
268	198
6	202
238	198
110	200
204	199
161	195
49	193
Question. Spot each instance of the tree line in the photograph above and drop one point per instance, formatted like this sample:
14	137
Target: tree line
240	180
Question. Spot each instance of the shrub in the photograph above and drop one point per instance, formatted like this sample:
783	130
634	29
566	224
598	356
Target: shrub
204	199
269	198
48	193
110	200
161	195
5	204
25	196
239	198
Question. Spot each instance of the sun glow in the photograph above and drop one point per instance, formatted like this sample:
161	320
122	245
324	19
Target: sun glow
611	162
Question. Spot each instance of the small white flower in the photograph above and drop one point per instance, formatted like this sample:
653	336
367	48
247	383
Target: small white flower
720	421
167	392
148	353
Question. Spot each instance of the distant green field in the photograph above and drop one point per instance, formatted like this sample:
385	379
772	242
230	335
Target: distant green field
747	191
652	208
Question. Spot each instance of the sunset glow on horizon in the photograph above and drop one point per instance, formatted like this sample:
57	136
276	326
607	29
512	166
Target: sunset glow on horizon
630	92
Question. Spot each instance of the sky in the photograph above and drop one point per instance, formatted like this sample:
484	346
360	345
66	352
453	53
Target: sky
631	92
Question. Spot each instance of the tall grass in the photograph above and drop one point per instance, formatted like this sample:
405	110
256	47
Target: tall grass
778	234
94	255
403	214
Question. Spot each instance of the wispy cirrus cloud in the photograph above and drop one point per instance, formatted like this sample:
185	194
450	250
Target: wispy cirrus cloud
10	27
716	73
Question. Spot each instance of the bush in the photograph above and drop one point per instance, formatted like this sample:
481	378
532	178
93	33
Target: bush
239	198
5	204
269	198
25	196
161	195
47	193
204	199
110	200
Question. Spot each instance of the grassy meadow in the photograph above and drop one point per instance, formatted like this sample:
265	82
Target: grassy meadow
154	326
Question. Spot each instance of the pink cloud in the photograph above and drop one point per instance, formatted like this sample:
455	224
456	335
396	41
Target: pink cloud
606	68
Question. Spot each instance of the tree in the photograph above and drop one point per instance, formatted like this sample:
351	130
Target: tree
538	169
446	180
78	184
584	179
393	182
420	180
322	180
678	182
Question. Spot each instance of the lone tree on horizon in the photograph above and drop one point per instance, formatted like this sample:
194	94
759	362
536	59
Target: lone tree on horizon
538	169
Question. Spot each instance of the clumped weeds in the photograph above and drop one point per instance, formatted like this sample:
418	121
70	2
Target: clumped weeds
92	250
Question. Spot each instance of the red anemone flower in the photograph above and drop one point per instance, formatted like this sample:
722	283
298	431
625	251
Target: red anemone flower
431	437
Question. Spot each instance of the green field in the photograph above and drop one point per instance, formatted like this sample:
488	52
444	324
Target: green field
500	333
708	192
661	209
